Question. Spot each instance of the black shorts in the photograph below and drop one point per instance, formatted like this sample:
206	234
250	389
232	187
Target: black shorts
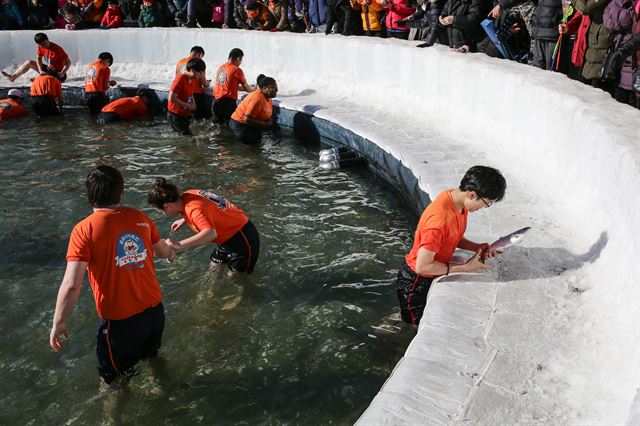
95	101
107	117
241	251
223	108
412	294
44	106
203	106
246	134
179	123
54	73
122	343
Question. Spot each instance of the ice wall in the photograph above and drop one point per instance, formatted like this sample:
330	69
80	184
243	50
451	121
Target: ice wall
571	156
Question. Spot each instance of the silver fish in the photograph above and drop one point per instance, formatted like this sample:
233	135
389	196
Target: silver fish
509	240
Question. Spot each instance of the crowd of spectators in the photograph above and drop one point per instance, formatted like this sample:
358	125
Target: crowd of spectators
589	40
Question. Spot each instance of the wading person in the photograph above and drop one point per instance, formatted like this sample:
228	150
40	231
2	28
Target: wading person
115	245
126	109
12	106
96	82
214	219
253	115
203	104
440	231
181	103
46	96
229	78
51	59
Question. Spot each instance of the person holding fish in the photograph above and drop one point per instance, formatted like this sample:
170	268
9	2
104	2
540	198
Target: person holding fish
440	231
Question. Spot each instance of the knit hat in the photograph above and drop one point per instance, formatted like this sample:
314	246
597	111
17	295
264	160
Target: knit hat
16	93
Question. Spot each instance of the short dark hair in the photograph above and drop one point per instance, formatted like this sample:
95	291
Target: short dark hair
196	64
106	56
264	81
486	182
236	53
105	186
197	49
143	92
162	192
40	38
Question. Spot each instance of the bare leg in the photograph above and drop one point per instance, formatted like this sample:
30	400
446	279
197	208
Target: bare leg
26	66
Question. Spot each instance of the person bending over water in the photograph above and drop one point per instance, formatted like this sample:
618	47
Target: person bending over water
115	245
254	113
440	230
126	109
214	219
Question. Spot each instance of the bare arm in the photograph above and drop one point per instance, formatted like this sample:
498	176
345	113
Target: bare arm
174	98
66	67
258	123
247	87
201	238
162	250
67	299
39	63
427	265
465	244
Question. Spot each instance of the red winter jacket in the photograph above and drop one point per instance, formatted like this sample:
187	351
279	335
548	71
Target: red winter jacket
396	10
579	23
112	18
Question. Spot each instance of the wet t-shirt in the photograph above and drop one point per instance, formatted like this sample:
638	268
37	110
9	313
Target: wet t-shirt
228	78
127	109
96	79
54	57
206	210
181	68
11	109
183	88
46	85
255	105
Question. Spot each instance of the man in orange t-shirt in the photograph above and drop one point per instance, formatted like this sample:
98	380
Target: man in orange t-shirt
46	95
12	106
96	82
51	59
126	109
203	104
229	78
440	231
214	219
181	103
115	245
254	112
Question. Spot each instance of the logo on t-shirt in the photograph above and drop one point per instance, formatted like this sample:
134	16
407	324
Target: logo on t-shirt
219	201
221	77
46	61
130	249
91	74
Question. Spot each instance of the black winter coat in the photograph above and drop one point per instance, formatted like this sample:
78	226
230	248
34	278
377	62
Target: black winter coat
467	15
546	19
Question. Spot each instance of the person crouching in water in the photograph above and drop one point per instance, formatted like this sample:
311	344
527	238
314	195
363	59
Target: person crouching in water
440	231
12	106
181	103
126	109
214	219
253	115
46	95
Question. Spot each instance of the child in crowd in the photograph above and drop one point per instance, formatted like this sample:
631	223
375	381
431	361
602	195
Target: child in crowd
12	11
112	18
258	16
396	11
371	12
149	15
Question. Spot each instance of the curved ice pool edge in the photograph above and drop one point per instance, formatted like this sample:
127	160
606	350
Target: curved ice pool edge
570	151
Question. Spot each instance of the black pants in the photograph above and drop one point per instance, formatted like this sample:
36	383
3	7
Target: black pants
107	117
241	251
246	134
627	97
44	106
95	101
122	343
179	123
203	106
54	73
412	294
223	108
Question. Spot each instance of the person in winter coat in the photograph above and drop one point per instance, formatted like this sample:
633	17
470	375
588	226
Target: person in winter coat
258	16
112	18
12	11
396	11
239	14
342	16
149	15
199	12
317	14
371	13
38	15
178	9
619	17
279	10
598	41
462	18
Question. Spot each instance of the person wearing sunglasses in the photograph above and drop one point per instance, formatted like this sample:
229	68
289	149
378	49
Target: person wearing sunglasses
440	231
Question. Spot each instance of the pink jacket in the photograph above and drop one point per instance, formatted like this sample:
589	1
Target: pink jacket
112	18
396	10
579	23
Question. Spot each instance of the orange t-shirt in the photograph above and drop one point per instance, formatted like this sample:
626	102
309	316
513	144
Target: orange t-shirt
11	109
206	210
127	108
228	78
97	78
54	57
118	246
181	68
255	105
45	85
183	87
440	229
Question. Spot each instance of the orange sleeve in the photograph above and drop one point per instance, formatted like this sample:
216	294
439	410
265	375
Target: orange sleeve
176	83
240	76
63	55
431	239
200	219
105	78
79	246
253	107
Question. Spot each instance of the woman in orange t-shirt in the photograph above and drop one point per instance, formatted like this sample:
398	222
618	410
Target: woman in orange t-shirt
214	219
254	112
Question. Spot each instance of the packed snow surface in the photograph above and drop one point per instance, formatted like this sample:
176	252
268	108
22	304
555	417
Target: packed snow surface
551	334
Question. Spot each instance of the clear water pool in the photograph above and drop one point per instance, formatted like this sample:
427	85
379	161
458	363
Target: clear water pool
298	342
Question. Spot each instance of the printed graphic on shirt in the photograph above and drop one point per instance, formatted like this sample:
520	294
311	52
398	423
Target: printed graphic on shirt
46	61
219	201
130	250
91	74
221	77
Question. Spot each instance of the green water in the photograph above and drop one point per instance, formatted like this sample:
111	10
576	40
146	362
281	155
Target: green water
297	342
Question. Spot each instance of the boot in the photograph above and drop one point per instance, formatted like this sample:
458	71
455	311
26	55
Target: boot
191	22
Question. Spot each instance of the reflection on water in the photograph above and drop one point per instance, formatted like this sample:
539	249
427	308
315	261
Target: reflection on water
308	338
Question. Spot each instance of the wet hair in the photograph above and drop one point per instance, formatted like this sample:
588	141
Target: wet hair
162	192
40	38
196	64
105	186
486	182
197	49
236	53
143	92
264	81
106	56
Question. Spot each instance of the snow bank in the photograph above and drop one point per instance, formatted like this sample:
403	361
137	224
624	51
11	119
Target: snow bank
549	335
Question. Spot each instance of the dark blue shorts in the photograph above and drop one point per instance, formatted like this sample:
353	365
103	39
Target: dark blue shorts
122	343
95	101
412	294
241	251
179	123
246	134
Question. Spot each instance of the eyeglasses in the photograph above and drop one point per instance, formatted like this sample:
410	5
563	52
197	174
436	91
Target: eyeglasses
489	204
